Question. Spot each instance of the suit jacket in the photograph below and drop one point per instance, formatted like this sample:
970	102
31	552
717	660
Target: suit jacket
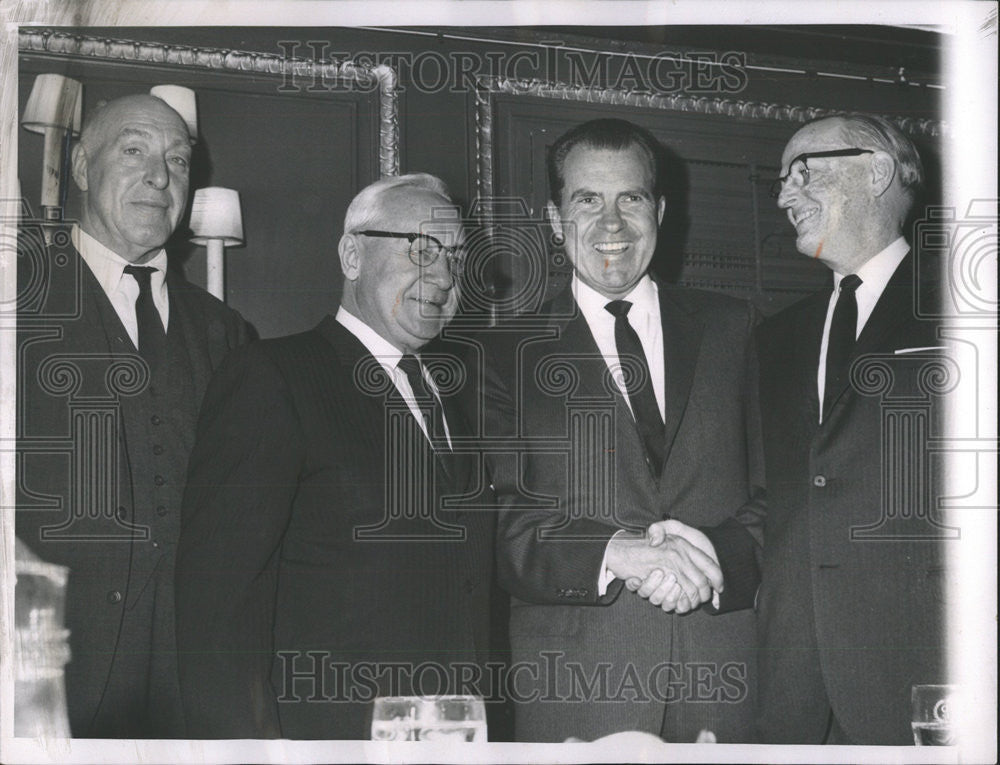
575	474
851	601
84	396
315	551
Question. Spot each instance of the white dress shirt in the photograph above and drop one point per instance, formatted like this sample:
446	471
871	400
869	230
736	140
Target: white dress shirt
122	289
389	356
874	275
644	316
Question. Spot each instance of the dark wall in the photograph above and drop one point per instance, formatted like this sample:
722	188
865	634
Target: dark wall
297	149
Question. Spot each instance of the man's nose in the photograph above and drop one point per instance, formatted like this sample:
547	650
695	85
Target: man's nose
156	173
788	194
439	273
611	219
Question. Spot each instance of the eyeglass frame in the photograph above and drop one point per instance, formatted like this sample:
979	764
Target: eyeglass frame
456	263
779	183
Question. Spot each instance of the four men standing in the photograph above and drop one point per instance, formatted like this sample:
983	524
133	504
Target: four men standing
330	551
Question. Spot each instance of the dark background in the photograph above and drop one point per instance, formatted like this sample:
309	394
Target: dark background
297	154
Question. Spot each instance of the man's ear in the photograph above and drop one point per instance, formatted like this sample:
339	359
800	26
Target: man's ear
554	218
883	171
79	161
350	256
661	207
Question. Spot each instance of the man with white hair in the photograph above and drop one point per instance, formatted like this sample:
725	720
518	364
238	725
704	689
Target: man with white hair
117	354
321	563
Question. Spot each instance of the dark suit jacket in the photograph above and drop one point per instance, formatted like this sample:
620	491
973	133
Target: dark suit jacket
580	477
853	563
310	527
81	390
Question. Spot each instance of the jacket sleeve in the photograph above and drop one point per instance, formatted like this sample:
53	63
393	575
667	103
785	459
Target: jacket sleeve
529	566
739	540
241	482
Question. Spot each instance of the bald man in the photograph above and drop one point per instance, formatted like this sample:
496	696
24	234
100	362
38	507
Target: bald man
115	357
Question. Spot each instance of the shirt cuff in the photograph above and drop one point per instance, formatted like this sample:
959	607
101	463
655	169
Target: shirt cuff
605	578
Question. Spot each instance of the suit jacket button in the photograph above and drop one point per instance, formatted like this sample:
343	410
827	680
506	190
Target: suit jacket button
114	596
159	480
665	516
161	510
157	449
819	481
155	419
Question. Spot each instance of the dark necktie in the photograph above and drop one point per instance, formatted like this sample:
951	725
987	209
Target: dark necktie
424	396
640	396
840	344
152	338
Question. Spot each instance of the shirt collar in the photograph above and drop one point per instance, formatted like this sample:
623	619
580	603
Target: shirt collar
384	352
643	297
107	265
877	271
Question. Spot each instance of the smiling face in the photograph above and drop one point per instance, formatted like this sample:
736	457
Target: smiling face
132	166
832	214
608	216
406	304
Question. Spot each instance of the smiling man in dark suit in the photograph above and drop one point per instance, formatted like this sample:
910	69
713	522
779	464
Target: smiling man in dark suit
627	399
321	563
850	606
115	354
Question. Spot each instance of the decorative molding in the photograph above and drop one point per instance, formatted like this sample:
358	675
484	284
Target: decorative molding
48	42
486	87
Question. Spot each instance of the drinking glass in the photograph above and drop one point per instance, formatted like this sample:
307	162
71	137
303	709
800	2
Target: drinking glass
935	714
429	718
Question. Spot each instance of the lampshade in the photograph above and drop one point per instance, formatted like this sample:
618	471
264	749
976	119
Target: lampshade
215	214
181	100
55	102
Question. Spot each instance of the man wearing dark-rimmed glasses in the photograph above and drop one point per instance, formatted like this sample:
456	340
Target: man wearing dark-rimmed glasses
850	603
321	563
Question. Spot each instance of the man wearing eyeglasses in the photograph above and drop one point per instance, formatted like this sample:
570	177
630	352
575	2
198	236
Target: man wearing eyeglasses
323	558
850	613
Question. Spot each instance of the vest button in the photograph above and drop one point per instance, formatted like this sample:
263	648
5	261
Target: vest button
114	596
819	481
155	419
161	510
157	449
156	545
159	480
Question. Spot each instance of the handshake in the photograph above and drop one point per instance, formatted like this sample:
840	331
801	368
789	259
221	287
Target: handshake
673	566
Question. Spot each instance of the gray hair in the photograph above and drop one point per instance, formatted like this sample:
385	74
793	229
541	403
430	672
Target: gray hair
873	132
366	208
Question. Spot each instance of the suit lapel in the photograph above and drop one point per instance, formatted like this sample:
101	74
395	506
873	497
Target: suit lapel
681	343
805	338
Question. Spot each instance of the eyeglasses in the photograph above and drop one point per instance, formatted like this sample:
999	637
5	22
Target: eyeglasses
425	249
799	168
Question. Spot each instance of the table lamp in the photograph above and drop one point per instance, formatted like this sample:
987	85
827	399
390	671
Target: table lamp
216	224
54	109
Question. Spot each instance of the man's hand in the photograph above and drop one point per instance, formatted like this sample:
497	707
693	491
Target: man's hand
673	574
661	587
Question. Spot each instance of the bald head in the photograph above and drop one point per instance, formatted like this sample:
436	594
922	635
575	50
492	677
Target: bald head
132	165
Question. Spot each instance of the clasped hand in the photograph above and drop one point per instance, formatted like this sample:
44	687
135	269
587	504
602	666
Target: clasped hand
674	566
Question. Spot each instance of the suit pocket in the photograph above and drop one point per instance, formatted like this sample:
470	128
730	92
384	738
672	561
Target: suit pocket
527	620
